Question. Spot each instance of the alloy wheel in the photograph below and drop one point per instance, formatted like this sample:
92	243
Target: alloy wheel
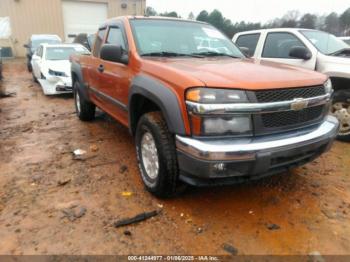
149	155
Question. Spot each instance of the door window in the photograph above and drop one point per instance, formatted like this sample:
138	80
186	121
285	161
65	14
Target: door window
116	37
249	41
278	45
98	42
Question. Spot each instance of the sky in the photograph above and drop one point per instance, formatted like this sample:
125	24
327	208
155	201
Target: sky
250	10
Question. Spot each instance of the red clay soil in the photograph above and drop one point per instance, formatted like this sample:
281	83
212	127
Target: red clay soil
51	203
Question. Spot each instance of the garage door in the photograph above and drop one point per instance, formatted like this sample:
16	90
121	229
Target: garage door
82	17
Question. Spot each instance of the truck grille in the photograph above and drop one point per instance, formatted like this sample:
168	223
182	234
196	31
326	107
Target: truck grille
275	122
290	118
289	94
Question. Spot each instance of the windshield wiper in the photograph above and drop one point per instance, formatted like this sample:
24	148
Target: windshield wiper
212	53
170	54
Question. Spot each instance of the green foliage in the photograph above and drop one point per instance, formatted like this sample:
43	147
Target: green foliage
332	23
345	19
150	11
308	21
203	16
170	14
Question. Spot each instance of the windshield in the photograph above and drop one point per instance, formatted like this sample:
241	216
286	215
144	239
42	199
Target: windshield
36	43
324	42
63	53
169	37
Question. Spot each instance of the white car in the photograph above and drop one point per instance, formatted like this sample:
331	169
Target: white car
51	66
346	39
310	49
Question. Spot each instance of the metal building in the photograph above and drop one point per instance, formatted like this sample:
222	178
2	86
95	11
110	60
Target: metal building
62	17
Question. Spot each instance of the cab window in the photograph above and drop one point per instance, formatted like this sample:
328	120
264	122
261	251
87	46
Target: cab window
249	41
278	45
116	37
98	42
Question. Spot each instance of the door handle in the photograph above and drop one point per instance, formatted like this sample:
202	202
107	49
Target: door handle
101	68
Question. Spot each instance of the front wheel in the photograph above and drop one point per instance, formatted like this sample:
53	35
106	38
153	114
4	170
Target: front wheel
156	155
341	110
85	110
29	67
34	78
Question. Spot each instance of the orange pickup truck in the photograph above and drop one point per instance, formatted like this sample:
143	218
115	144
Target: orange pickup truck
200	111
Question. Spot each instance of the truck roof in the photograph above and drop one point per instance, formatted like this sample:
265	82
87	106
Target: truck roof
275	30
120	18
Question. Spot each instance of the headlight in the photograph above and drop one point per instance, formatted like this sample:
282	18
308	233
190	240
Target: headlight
56	73
216	96
233	125
328	86
219	125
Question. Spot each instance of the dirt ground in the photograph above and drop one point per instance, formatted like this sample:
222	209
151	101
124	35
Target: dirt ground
51	203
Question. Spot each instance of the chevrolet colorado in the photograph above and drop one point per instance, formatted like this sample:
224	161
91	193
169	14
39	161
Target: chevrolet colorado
201	115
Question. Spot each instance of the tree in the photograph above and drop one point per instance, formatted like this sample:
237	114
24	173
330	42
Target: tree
345	21
308	21
331	24
225	25
170	14
289	23
292	15
150	11
216	19
203	16
191	16
290	19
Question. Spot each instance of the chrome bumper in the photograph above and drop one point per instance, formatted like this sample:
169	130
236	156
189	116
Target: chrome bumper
238	149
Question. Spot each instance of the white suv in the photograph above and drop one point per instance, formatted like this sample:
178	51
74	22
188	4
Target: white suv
310	49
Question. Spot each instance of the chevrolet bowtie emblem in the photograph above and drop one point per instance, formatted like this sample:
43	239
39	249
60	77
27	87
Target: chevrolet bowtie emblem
299	104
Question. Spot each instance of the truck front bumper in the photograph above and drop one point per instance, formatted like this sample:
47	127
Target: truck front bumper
225	161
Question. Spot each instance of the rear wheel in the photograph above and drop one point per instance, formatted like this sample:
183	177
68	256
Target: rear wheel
156	155
34	78
341	110
85	110
29	67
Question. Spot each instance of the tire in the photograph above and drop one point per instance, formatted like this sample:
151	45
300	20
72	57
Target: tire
162	183
29	67
341	109
84	109
34	78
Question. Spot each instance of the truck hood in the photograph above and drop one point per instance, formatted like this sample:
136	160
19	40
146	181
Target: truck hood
339	60
231	73
334	66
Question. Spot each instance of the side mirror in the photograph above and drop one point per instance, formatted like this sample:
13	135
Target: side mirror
26	46
113	53
245	50
300	52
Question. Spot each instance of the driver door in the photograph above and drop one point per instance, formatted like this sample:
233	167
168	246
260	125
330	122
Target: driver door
115	77
277	46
